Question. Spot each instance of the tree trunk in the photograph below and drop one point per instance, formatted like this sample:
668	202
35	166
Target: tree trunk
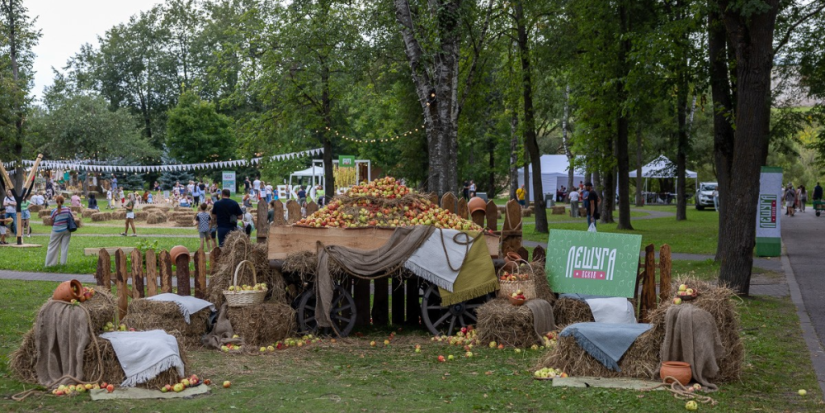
565	140
681	149
639	180
513	154
723	109
491	179
609	196
752	39
622	131
529	129
326	103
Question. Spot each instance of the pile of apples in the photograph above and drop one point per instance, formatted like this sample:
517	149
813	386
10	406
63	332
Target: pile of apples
73	389
85	295
231	347
110	327
294	342
183	384
684	291
362	210
256	287
508	276
549	373
467	338
518	295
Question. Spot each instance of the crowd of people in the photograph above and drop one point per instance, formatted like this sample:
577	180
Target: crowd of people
795	198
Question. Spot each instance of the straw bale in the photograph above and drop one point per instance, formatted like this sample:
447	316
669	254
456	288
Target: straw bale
570	311
87	213
263	324
101	216
119	214
101	307
236	248
44	213
109	369
156	218
35	208
22	360
502	322
141	215
543	289
47	222
146	314
185	220
76	209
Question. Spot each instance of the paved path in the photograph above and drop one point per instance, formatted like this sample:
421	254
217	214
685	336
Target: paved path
804	262
651	214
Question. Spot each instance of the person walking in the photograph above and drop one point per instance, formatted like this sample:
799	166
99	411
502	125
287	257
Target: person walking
60	237
715	196
226	213
202	221
574	204
591	204
790	200
472	189
25	216
130	216
817	192
248	225
803	197
465	191
114	184
520	196
256	186
246	185
10	206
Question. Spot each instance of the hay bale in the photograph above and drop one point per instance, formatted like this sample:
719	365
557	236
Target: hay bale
87	213
183	209
717	300
76	210
570	311
44	213
502	322
185	220
78	220
101	216
144	314
543	289
101	307
303	264
558	210
35	208
141	216
155	218
109	370
236	248
119	214
148	208
22	361
263	324
47	222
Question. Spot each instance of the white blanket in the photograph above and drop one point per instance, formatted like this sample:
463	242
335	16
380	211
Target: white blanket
187	304
144	355
610	310
429	262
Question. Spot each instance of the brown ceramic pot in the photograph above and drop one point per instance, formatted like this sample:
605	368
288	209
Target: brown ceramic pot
68	291
176	251
476	204
679	370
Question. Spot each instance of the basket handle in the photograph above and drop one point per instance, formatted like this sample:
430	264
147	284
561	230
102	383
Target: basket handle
518	264
238	269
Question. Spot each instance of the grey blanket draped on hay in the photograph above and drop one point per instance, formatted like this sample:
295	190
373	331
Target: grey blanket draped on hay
62	334
691	336
543	320
401	245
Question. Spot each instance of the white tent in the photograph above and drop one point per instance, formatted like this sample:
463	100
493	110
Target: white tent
553	174
314	173
661	167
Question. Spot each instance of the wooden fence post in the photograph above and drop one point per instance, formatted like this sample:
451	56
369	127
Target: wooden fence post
200	274
151	273
649	284
103	275
312	208
293	211
511	231
278	214
182	272
461	209
448	202
214	258
397	301
664	273
492	216
122	277
165	272
539	254
137	274
262	227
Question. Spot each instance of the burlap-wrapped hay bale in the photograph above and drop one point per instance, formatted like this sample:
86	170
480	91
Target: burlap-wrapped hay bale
155	218
263	324
236	248
119	214
101	216
109	369
570	311
44	213
141	216
504	323
185	220
35	208
144	314
87	213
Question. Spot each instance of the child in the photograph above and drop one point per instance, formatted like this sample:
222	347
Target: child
3	230
109	199
202	220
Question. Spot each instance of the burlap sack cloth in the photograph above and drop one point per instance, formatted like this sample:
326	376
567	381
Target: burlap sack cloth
691	336
61	336
364	263
222	331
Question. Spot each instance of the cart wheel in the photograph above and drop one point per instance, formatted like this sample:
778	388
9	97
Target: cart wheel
342	312
448	320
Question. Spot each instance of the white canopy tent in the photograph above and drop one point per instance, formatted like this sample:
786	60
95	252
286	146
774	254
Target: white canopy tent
662	167
553	174
315	175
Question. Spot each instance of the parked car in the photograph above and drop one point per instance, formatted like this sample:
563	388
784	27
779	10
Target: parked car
704	196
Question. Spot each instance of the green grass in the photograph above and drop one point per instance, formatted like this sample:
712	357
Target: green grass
116	227
352	377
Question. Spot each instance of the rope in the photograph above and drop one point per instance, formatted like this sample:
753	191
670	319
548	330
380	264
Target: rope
19	397
466	244
680	392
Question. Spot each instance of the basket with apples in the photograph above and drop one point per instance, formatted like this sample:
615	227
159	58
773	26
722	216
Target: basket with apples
519	277
517	298
245	295
685	293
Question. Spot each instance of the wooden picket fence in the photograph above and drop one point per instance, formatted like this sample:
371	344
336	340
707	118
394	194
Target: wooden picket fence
647	298
152	273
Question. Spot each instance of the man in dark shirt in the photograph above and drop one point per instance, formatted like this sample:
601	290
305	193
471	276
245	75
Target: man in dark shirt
302	195
592	204
246	185
223	212
817	192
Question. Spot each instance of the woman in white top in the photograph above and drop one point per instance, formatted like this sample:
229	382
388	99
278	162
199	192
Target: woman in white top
574	204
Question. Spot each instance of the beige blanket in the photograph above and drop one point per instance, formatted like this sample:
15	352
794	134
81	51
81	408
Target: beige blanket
62	334
691	336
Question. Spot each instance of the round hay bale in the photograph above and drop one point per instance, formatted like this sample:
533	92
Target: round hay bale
108	368
568	311
101	216
22	361
263	324
144	314
87	213
141	215
502	322
35	208
155	218
101	307
119	214
44	213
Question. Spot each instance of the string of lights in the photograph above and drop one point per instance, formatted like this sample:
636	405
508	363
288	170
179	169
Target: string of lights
379	140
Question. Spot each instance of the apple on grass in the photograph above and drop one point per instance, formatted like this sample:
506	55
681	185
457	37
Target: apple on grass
226	384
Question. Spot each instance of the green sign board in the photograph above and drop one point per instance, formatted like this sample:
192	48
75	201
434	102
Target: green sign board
593	263
346	161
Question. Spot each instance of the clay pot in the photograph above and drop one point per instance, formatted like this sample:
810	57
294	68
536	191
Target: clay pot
476	204
511	261
679	370
176	251
68	291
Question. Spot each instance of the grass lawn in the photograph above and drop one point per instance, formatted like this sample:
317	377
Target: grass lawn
116	227
351	376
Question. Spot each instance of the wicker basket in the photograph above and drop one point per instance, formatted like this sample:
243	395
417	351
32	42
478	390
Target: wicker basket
244	298
527	287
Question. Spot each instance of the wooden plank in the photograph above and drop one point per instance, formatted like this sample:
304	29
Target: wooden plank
492	216
165	272
461	209
449	201
413	303
137	274
312	208
214	258
361	295
397	301
511	230
523	253
122	277
151	273
262	226
278	214
664	273
381	302
293	211
648	298
478	218
539	254
433	197
103	275
200	274
182	272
